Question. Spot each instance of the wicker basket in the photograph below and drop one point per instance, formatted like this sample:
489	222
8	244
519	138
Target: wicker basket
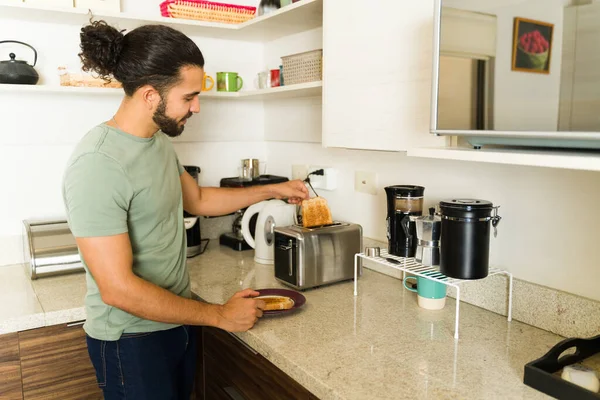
303	67
207	11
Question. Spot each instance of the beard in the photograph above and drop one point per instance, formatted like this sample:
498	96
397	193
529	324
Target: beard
169	126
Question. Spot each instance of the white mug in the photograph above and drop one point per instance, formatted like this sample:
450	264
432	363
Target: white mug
262	80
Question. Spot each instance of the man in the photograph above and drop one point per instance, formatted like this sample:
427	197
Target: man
124	192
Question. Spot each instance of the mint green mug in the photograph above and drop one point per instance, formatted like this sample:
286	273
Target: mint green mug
431	294
229	82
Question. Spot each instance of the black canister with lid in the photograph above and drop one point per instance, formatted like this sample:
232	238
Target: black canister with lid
465	241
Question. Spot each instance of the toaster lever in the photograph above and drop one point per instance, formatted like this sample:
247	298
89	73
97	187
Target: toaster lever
291	258
290	250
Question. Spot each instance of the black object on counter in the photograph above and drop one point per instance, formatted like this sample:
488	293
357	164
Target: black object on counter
402	202
539	373
18	72
193	233
465	242
261	180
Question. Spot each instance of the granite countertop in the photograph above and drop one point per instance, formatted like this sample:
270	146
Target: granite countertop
27	304
377	345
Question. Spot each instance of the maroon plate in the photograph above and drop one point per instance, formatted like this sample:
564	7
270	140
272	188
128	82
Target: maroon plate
298	298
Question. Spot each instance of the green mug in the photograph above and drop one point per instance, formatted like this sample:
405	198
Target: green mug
229	82
431	294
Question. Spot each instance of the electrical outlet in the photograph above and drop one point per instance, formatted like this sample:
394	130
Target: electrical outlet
327	181
299	171
365	182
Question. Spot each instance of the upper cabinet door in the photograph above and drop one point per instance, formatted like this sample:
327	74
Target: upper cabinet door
377	74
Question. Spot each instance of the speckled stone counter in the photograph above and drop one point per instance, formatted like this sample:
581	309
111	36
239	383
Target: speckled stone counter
378	345
20	308
26	304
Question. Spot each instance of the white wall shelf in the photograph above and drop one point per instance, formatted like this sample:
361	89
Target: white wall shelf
292	91
298	17
577	159
55	89
309	89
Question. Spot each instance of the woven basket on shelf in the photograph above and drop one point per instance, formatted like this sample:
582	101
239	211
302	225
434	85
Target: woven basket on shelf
207	11
303	67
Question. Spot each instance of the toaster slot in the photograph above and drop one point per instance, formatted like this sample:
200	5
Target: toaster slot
286	258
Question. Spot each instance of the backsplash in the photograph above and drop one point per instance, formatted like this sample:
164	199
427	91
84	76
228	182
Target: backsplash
553	310
547	235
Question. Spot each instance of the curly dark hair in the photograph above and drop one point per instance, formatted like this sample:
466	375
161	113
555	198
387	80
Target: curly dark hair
148	55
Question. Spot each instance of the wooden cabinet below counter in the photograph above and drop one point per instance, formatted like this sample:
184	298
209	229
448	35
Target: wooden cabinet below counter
10	368
44	363
53	363
232	370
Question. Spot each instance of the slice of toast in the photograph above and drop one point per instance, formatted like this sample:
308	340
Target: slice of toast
273	303
316	212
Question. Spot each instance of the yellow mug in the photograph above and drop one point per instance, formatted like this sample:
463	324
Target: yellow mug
204	85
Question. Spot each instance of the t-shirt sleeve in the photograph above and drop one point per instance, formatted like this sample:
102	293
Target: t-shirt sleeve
179	166
97	194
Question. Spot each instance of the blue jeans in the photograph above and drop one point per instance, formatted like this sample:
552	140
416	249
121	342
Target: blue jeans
146	366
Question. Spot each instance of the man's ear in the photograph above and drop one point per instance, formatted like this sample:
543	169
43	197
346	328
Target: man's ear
150	96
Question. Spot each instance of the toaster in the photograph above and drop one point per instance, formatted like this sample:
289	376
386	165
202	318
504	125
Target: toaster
309	257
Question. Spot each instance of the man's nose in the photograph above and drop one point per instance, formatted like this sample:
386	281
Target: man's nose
195	107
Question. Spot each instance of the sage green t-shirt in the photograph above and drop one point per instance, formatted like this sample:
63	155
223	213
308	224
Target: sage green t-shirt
115	183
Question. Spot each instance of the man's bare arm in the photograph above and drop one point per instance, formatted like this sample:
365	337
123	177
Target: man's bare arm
109	259
211	201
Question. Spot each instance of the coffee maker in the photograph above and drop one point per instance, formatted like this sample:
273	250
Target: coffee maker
235	239
192	223
403	201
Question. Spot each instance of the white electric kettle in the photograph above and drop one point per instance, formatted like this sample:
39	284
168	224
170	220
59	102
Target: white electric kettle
271	213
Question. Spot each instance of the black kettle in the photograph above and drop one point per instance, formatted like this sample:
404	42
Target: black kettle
17	71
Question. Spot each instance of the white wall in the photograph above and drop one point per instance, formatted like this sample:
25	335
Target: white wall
548	233
522	100
40	130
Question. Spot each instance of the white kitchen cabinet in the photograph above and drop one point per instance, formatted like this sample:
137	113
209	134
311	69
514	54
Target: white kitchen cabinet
377	74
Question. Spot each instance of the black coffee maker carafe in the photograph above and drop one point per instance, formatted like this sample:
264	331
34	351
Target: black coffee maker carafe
192	223
403	201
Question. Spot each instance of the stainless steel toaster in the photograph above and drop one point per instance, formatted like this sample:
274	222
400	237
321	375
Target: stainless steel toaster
310	257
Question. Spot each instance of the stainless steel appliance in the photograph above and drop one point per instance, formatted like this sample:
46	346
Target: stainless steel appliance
490	88
310	257
50	248
252	168
429	229
235	239
195	244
